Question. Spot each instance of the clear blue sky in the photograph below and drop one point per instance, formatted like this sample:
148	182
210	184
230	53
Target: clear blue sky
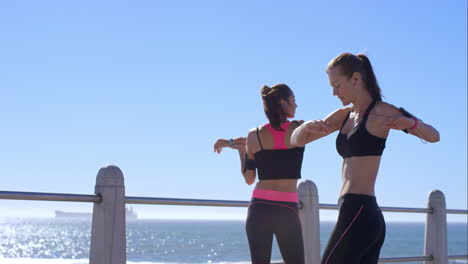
150	85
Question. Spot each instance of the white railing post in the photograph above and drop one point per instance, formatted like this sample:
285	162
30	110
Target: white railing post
310	221
435	243
108	244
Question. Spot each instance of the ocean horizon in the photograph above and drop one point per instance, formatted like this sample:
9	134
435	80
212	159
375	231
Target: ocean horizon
157	241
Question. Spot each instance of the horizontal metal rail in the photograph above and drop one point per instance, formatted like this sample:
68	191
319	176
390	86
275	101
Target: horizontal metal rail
177	201
406	259
59	197
421	258
231	203
328	206
456	211
458	257
65	197
407	210
386	209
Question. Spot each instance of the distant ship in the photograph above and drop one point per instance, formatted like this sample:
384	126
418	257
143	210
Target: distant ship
130	214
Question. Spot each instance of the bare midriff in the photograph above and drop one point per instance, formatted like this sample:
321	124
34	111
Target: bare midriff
359	175
284	185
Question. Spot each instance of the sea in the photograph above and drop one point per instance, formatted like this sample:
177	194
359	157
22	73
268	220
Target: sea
62	241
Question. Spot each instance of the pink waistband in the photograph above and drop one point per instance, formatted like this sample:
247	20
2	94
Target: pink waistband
275	195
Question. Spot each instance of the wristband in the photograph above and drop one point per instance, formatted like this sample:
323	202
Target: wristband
248	164
407	114
231	142
416	123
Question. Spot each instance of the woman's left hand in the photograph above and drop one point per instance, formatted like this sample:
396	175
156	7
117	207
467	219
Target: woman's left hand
237	143
220	144
398	122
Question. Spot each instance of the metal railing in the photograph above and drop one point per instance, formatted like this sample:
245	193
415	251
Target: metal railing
405	259
179	201
108	226
458	257
57	197
390	209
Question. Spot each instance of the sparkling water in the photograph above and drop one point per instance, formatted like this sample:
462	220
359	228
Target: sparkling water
54	241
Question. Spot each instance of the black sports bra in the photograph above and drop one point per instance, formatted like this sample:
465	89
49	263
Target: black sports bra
274	164
358	141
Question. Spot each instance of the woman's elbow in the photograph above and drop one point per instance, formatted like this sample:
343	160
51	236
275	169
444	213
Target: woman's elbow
249	179
250	182
435	138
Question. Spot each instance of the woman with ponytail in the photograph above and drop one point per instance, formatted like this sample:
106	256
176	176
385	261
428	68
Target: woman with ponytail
363	124
268	152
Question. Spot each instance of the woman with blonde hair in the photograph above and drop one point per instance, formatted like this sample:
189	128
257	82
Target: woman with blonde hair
363	124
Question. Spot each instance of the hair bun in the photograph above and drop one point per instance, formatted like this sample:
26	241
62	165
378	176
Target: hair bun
265	90
362	56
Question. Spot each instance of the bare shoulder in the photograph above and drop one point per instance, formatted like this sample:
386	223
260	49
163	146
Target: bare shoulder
386	109
253	130
252	133
341	112
253	144
297	123
336	118
252	136
344	110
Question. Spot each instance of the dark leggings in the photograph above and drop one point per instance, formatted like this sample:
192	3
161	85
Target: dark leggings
266	218
359	233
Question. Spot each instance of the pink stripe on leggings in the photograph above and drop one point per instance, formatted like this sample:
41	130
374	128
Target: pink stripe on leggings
344	233
275	195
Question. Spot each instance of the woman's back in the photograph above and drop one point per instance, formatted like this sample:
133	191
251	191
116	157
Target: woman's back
278	161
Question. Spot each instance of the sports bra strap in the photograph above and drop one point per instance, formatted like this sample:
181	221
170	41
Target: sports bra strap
366	114
346	119
259	141
369	108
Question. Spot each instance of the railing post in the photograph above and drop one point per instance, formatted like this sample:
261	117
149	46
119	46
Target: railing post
435	243
310	221
108	244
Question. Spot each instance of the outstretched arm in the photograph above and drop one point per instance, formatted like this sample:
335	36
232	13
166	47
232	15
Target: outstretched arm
399	119
240	143
315	129
229	143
